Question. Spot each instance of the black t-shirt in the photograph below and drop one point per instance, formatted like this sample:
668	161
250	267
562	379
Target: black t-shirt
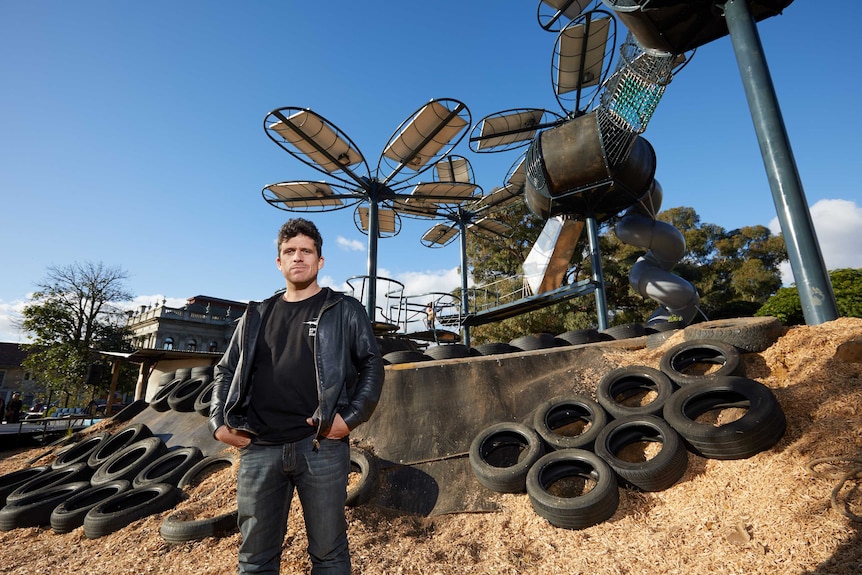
284	384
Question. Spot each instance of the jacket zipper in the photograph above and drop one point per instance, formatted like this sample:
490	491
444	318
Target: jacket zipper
316	441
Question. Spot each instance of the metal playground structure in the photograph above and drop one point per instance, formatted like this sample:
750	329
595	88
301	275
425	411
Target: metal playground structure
582	167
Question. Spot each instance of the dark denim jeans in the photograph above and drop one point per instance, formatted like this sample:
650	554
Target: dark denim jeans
268	475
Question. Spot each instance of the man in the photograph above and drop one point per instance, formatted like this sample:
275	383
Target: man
430	315
300	372
13	410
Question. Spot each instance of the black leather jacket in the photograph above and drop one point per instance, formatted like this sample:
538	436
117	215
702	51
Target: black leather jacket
348	366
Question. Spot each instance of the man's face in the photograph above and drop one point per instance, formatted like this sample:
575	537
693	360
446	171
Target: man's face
298	261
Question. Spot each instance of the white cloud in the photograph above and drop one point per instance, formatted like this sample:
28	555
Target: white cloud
10	312
837	224
329	281
350	245
416	287
419	283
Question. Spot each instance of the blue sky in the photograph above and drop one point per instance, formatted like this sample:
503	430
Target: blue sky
132	132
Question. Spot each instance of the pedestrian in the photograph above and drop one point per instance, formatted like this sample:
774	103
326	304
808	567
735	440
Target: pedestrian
302	369
430	315
13	409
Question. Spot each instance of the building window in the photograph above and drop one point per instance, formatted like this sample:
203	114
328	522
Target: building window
192	345
2	377
213	346
169	343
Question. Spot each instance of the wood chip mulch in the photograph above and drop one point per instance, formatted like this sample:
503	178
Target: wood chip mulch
793	509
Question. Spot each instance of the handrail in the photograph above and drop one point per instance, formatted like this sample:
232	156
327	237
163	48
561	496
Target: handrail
493	296
44	422
446	306
394	295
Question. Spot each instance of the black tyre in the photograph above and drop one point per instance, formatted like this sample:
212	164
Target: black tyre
160	399
207	465
131	410
495	348
364	477
202	371
406	356
183	373
12	481
624	331
70	474
70	513
622	444
166	378
390	344
183	396
694	361
569	422
204	399
117	511
80	451
447	351
502	454
657	339
662	326
120	440
129	461
35	509
573	488
634	390
695	412
535	341
750	334
169	468
176	529
580	336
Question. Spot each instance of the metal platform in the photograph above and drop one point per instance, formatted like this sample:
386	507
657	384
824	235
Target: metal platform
530	303
41	431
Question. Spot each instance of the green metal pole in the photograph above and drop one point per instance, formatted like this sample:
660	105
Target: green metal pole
465	305
598	273
373	228
806	260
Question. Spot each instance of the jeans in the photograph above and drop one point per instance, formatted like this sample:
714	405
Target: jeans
268	475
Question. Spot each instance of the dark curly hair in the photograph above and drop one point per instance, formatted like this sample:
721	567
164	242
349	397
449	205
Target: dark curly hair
300	226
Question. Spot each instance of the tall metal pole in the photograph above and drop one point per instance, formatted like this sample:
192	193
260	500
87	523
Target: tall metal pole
465	304
373	228
806	260
598	274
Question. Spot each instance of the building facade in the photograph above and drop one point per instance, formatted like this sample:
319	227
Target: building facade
13	377
204	324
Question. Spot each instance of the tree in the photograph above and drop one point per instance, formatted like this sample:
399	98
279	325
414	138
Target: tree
734	272
495	257
496	262
74	311
787	307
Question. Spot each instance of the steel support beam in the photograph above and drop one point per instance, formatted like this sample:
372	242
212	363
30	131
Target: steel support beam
806	259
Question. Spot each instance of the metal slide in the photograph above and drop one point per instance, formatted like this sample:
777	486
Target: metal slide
548	260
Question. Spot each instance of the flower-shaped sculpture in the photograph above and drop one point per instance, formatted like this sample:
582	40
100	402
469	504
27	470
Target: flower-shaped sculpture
389	191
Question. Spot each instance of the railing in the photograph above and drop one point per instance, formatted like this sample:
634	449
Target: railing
389	313
181	313
54	425
445	310
502	298
498	292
